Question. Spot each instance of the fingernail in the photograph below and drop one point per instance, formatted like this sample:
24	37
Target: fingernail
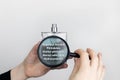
75	59
100	54
65	66
88	48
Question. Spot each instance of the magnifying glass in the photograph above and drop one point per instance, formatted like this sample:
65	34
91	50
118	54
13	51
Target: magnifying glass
54	51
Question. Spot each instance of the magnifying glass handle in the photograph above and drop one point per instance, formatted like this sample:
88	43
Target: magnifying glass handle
74	55
77	55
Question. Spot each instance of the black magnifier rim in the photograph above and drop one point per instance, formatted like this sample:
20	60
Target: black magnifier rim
68	50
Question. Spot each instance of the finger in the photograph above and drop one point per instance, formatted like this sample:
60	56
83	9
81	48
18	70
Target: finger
76	62
93	56
103	73
100	63
32	56
36	45
83	56
80	62
70	57
34	49
76	66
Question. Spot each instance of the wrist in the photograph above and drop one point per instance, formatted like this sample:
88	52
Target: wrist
18	73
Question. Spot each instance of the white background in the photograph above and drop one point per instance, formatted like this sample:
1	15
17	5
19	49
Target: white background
89	23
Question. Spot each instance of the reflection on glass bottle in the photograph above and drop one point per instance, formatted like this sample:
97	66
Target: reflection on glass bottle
54	31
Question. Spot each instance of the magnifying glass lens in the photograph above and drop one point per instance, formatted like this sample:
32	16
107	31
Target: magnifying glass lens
53	51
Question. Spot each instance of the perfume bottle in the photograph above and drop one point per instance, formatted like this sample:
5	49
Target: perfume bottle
54	32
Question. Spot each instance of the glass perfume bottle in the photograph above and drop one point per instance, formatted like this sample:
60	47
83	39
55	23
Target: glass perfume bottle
53	50
54	32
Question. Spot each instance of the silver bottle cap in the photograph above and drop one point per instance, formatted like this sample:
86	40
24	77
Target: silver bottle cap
54	28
